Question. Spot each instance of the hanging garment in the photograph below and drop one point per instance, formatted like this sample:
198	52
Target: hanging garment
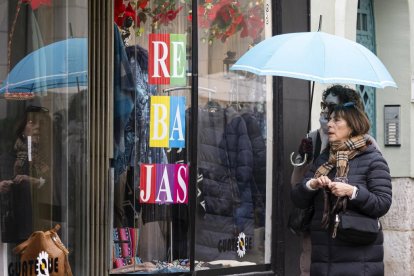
258	183
124	91
225	161
124	88
137	151
138	128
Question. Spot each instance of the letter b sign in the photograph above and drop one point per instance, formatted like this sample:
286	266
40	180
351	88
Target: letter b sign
167	122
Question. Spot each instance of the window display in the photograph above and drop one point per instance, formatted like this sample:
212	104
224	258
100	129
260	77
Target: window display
151	176
162	220
232	164
152	223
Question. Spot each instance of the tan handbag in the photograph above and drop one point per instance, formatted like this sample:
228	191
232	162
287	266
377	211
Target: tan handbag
43	253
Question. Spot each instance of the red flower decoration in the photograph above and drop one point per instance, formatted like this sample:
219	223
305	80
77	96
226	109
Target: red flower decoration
254	24
164	11
131	13
121	12
165	18
119	9
37	3
224	18
142	4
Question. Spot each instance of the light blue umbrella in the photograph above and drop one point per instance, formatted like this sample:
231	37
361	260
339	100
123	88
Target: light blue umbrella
60	64
316	56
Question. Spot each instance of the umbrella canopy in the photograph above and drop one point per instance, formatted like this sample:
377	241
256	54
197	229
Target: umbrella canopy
316	56
57	65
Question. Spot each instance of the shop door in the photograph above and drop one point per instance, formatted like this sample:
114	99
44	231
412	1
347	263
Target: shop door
366	37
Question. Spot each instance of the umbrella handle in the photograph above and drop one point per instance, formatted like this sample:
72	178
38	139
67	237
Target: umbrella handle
305	158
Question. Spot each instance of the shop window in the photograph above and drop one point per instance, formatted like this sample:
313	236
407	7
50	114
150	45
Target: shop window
232	138
152	97
43	124
362	24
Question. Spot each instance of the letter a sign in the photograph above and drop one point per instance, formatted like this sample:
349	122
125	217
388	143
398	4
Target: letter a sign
167	122
167	59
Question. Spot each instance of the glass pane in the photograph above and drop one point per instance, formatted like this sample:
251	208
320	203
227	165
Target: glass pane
231	148
43	119
152	100
364	22
359	21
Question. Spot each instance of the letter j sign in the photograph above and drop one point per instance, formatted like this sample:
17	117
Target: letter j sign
167	122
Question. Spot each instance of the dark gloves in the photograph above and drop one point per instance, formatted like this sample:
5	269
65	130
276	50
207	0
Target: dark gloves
306	146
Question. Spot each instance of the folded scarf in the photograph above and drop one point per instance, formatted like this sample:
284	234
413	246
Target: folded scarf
339	155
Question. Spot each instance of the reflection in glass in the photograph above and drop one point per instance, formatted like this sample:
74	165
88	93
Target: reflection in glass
43	124
232	138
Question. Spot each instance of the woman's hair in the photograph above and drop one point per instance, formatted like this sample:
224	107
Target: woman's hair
344	94
32	109
355	117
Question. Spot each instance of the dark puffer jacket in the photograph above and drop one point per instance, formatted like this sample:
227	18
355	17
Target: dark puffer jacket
225	161
370	173
258	183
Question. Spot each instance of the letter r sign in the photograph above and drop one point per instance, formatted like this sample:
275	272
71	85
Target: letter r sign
167	59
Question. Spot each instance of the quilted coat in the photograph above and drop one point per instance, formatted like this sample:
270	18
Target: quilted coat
258	183
370	173
225	161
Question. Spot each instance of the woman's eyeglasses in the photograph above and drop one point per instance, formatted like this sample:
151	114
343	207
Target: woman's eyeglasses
329	105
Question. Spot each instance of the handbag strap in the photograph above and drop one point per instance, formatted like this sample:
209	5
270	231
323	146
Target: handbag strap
67	266
55	238
62	247
344	203
340	205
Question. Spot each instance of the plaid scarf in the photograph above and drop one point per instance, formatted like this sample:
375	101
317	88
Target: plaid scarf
38	166
339	155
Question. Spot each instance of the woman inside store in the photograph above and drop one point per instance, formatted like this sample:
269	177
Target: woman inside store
350	174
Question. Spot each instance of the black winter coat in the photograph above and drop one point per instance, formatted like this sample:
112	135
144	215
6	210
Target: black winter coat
258	183
225	160
370	173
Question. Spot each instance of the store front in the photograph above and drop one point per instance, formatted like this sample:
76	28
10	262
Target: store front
134	136
167	219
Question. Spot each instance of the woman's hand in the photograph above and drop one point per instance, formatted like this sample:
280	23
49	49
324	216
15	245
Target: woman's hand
320	182
5	185
341	189
21	178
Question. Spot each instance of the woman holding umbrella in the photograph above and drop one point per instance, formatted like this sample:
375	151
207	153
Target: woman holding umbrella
367	190
313	146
